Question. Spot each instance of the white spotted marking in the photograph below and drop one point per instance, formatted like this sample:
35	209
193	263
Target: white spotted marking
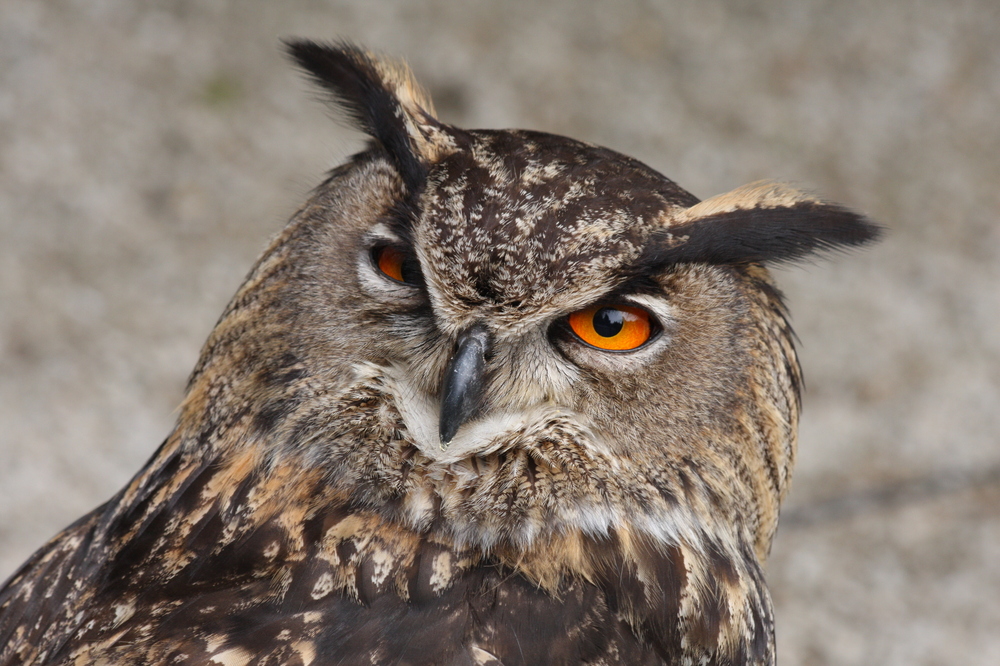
441	572
214	642
123	612
323	586
306	650
383	565
232	657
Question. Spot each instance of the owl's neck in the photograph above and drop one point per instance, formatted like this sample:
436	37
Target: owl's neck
332	481
683	592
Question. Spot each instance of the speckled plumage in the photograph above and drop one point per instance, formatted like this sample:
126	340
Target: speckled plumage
598	508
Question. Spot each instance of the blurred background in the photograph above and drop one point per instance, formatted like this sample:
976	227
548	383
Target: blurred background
148	150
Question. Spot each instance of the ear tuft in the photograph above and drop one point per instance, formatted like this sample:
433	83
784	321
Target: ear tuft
381	96
760	222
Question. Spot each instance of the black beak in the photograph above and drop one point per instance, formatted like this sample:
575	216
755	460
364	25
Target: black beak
464	381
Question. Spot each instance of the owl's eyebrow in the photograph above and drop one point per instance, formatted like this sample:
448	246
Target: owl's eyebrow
635	283
400	219
757	234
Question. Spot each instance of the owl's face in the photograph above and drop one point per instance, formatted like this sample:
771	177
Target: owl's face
527	245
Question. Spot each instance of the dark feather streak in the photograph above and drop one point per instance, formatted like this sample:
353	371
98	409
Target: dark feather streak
759	235
350	77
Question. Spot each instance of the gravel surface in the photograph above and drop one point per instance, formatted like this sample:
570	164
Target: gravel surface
146	154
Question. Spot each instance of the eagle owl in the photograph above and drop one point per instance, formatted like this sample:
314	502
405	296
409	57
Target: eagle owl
491	397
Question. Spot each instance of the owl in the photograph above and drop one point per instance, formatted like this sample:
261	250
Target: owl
490	397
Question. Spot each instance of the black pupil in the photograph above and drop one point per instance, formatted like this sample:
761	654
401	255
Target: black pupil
410	270
608	322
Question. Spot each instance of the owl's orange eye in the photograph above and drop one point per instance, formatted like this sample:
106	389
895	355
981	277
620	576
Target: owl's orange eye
612	327
397	264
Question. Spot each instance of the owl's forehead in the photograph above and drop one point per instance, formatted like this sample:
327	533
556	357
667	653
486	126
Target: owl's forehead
520	222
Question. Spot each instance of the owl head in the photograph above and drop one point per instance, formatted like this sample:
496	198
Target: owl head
512	336
520	335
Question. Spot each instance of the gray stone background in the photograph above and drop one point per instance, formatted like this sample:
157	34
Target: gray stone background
148	149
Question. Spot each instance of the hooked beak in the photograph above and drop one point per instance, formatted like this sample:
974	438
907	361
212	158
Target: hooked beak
464	381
